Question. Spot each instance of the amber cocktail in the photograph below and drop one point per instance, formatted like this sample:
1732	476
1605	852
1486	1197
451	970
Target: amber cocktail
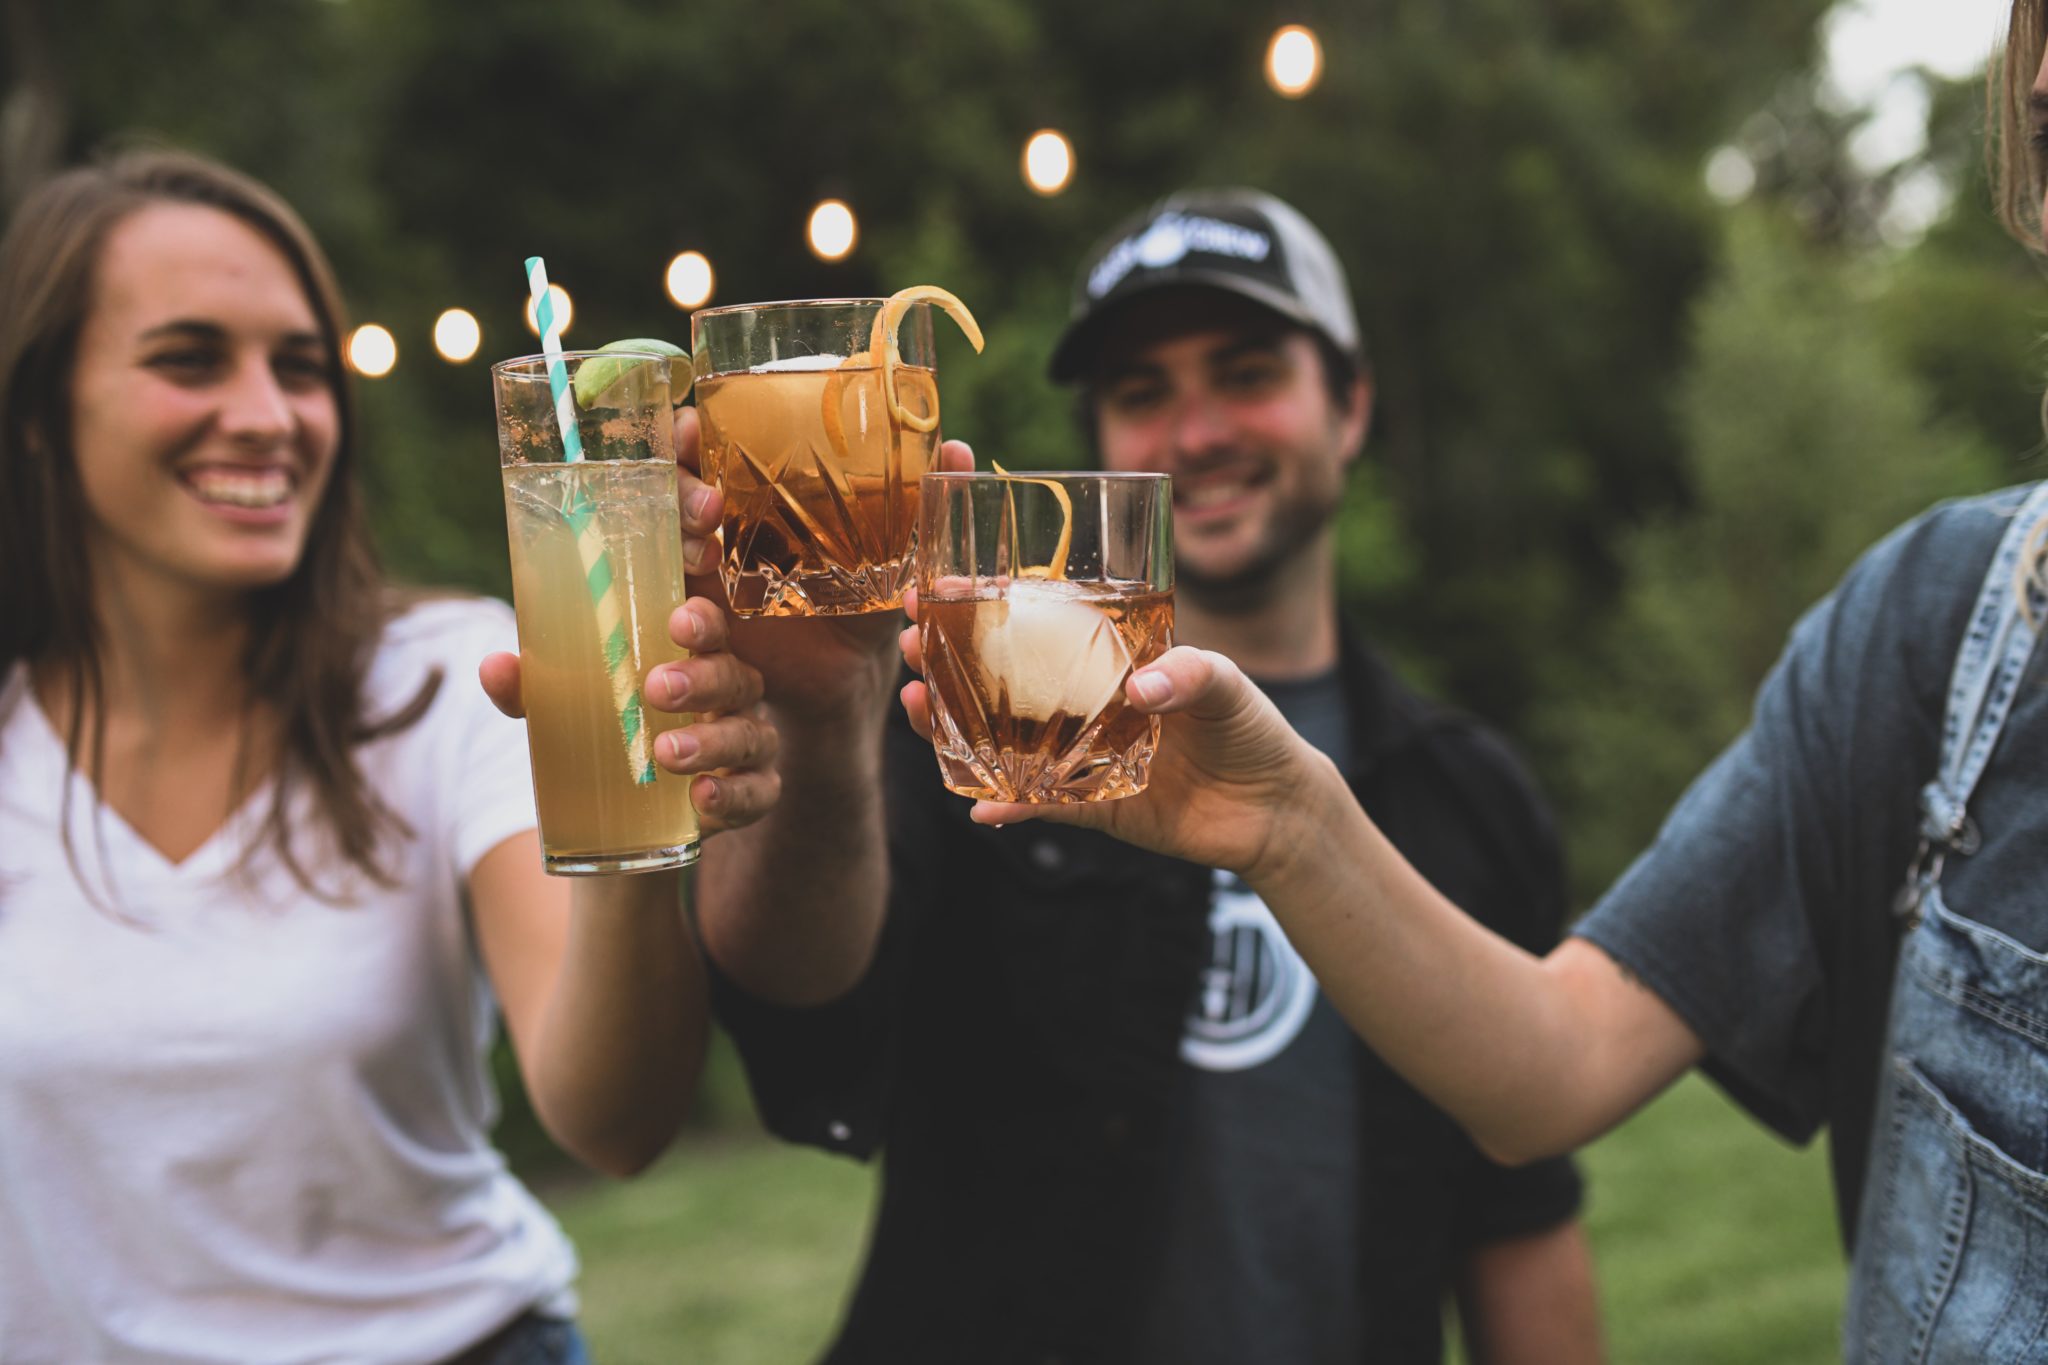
819	417
1037	596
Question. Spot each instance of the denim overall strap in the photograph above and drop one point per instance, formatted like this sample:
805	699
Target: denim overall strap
1950	1263
1994	653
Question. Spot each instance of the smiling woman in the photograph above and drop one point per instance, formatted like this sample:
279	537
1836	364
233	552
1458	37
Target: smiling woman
205	423
267	875
114	356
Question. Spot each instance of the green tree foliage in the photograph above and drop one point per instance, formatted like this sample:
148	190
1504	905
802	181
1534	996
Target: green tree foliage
1517	191
1514	188
1807	436
1965	306
268	84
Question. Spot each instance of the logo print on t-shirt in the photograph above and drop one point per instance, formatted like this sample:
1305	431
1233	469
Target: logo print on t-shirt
1255	993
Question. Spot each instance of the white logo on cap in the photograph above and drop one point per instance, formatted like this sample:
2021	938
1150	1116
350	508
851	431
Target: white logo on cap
1163	243
1168	239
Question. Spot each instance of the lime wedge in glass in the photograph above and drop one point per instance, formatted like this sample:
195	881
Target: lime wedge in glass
597	377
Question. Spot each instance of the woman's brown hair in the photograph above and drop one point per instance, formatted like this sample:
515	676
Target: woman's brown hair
312	635
2016	159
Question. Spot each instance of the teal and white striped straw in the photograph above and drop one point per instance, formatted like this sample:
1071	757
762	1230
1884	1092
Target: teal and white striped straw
598	576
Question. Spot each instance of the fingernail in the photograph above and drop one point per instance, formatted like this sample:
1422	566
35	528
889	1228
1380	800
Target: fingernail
711	794
678	686
699	504
695	552
1151	688
681	747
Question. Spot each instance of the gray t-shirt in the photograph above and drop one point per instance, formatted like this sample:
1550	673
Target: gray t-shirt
1261	1257
1762	913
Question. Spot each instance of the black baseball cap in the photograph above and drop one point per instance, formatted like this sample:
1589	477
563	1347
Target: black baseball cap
1242	241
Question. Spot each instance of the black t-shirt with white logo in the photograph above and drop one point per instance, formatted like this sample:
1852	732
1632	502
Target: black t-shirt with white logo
1261	1256
1014	1059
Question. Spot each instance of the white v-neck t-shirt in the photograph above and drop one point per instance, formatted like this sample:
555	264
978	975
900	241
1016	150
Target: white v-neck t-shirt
238	1124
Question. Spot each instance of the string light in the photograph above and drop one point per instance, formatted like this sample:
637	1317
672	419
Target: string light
1294	66
564	309
832	231
456	335
1294	61
1048	161
372	351
689	279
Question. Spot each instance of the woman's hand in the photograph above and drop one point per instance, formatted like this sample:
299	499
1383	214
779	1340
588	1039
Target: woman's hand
1227	785
730	747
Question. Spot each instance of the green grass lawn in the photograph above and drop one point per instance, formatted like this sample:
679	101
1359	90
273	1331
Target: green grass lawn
730	1252
1716	1244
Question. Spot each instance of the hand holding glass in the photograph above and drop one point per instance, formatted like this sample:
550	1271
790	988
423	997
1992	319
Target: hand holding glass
596	569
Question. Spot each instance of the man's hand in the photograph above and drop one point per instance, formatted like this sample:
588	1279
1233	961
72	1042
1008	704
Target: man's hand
790	909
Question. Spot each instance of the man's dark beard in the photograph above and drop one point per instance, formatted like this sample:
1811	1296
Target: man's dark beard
1253	587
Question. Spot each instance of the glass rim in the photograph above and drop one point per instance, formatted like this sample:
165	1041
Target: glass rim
518	366
1076	475
768	305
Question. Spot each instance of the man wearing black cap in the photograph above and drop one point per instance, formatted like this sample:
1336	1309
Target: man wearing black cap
1118	1122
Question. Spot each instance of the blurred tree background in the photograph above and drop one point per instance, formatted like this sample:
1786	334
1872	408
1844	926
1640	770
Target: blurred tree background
1628	425
1625	429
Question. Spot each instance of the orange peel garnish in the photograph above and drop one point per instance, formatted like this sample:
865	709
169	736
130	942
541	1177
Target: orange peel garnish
922	388
833	395
916	384
882	346
884	355
1057	569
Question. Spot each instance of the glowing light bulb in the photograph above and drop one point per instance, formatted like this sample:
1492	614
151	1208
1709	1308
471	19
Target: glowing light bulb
372	351
689	279
1294	61
1048	161
832	230
456	335
564	309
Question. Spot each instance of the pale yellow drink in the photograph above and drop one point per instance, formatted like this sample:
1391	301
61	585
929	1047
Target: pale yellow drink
600	808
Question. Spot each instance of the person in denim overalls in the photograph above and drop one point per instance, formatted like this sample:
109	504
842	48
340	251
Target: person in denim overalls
1949	1265
1844	921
